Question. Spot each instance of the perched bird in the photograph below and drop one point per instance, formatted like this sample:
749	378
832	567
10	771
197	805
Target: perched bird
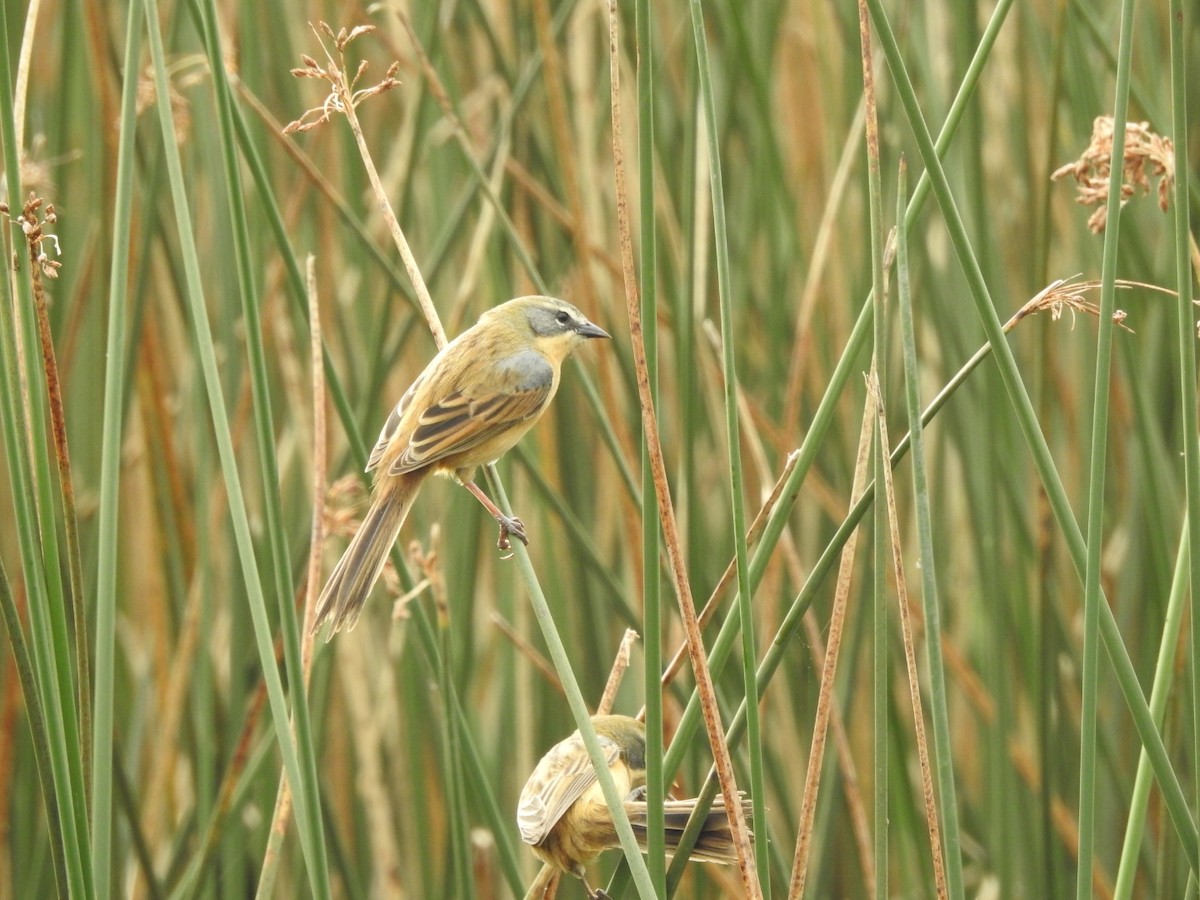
472	403
562	814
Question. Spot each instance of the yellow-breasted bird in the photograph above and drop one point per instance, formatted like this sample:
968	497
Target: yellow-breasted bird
472	403
563	817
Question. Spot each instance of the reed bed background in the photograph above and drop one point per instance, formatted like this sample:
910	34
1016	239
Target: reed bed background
154	692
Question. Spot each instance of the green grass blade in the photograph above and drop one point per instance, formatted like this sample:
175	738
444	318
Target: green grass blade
943	754
280	562
110	461
733	445
1185	329
1098	457
220	420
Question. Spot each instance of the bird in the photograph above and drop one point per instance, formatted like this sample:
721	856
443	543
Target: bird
472	403
563	816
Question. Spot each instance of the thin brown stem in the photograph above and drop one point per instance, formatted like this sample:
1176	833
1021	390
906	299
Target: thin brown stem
671	538
40	264
283	798
389	217
730	573
837	620
910	655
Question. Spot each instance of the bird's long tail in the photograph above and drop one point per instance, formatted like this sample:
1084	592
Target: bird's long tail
715	843
361	565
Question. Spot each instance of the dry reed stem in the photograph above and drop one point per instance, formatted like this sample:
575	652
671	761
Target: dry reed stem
620	664
526	649
344	98
791	556
730	573
837	620
696	652
41	265
283	798
910	655
21	88
860	826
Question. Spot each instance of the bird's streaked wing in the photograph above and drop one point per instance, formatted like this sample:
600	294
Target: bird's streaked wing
393	422
465	418
563	774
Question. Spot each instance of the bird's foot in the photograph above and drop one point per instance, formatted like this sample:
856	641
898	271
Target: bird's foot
510	526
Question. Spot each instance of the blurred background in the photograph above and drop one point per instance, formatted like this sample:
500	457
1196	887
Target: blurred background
495	150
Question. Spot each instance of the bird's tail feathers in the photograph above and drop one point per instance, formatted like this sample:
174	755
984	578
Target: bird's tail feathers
715	843
352	578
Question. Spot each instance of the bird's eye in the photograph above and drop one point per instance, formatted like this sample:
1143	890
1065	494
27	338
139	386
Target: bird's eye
563	318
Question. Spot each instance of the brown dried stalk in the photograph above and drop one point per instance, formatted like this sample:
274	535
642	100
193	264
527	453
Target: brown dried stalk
671	538
42	266
837	620
344	97
910	654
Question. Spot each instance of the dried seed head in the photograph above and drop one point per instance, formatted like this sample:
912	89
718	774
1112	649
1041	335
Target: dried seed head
1147	155
343	93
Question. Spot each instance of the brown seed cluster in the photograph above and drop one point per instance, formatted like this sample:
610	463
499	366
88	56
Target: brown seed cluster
1147	155
344	91
35	236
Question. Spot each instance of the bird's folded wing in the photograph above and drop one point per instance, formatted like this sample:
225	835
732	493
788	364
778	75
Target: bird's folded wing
393	422
558	781
473	415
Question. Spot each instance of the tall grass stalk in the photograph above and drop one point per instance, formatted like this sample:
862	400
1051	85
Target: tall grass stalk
107	553
943	754
652	613
877	382
754	747
1095	499
1185	280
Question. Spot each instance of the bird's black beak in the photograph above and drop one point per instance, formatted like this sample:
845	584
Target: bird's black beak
588	330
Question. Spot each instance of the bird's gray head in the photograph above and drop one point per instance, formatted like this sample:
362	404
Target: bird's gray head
550	317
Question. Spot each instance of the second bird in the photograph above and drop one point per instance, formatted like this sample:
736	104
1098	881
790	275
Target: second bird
473	402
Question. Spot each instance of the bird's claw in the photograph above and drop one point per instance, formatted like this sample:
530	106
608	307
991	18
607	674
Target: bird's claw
510	525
